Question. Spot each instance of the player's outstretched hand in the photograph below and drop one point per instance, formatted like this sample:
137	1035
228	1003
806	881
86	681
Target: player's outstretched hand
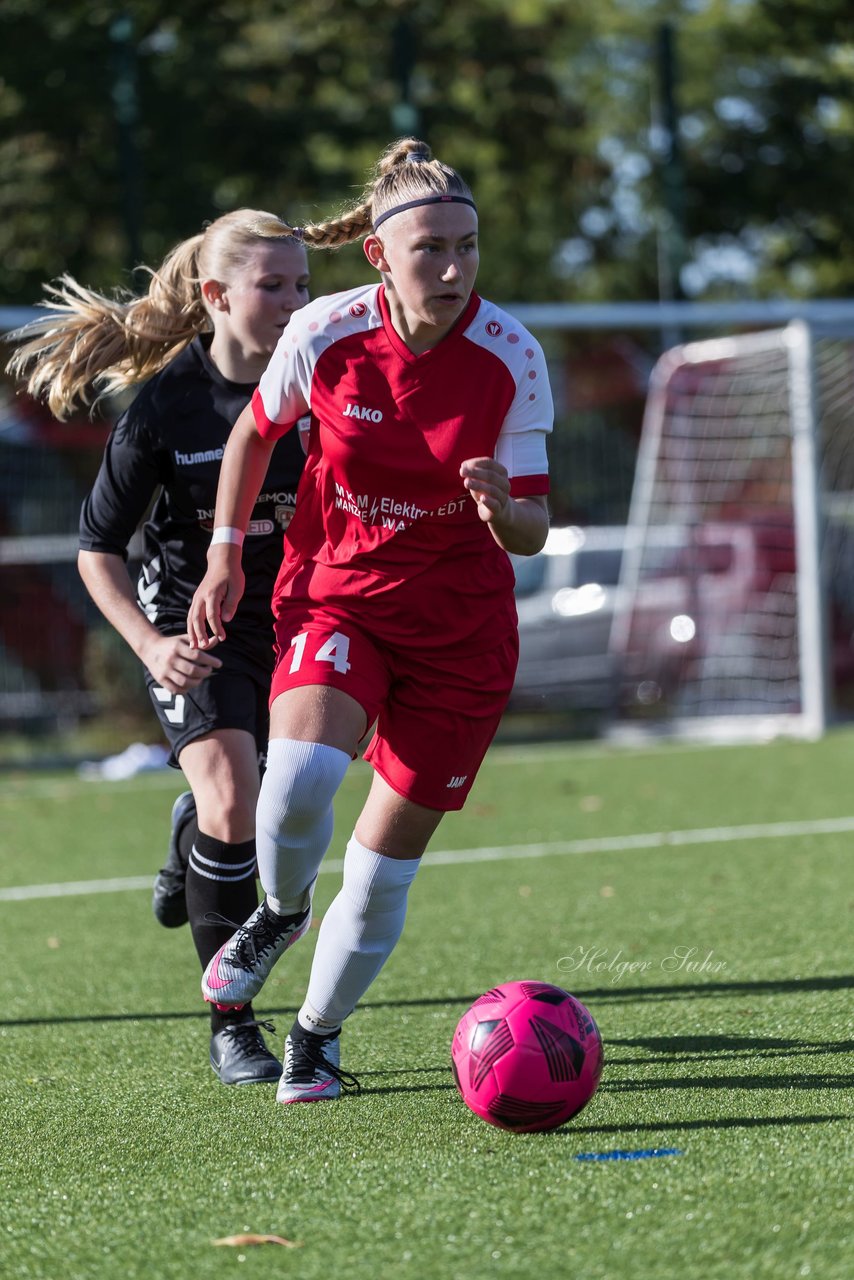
177	665
489	485
215	602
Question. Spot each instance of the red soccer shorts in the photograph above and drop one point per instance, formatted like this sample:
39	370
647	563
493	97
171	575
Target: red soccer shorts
437	710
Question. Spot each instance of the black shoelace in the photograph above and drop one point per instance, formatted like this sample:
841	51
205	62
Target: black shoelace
247	1036
255	938
310	1050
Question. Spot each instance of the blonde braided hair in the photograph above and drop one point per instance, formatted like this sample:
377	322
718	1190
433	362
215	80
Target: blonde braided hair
395	180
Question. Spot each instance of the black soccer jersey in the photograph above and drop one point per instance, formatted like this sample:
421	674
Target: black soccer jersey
170	442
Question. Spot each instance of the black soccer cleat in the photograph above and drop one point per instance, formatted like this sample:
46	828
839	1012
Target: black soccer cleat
240	1056
169	900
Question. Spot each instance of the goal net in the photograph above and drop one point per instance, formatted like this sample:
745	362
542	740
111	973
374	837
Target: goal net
743	627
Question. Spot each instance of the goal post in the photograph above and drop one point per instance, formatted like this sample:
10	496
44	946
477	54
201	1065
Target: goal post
727	635
806	501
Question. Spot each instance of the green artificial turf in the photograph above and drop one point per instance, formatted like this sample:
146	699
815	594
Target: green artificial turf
718	967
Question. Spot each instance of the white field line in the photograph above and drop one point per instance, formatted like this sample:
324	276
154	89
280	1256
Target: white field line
29	786
502	853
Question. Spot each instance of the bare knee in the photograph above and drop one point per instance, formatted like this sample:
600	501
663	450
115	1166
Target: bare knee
222	770
226	812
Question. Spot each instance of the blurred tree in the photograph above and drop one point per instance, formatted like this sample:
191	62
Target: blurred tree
769	163
125	126
764	98
216	104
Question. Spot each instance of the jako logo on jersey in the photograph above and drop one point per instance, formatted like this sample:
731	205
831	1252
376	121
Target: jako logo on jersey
457	782
357	309
494	329
360	411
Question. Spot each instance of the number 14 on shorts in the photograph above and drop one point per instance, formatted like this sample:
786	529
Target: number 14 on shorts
335	649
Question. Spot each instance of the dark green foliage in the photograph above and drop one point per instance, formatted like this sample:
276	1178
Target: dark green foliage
123	131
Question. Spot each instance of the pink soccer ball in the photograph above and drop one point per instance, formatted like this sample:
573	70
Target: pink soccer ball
526	1056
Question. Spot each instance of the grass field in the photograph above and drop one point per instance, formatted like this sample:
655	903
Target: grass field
698	900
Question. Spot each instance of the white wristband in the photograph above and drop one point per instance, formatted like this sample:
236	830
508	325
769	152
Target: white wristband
225	533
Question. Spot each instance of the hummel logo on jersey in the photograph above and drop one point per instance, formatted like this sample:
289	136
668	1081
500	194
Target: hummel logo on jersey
148	588
361	411
457	782
202	455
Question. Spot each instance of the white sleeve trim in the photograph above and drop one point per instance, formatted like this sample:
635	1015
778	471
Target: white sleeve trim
523	453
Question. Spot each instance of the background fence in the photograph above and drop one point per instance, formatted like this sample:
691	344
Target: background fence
62	669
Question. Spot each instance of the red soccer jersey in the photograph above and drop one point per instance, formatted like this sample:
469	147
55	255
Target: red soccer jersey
383	526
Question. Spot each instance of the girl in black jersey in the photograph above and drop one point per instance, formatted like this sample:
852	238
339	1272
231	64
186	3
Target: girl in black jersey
199	340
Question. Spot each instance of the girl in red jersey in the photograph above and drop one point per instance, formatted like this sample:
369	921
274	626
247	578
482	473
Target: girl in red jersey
394	603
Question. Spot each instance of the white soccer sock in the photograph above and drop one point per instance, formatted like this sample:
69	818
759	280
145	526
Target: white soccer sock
358	934
294	818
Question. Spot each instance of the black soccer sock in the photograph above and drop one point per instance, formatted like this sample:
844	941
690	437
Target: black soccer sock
220	882
226	1017
187	834
298	1032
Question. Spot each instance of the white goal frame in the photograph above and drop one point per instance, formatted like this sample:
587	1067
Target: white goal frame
795	341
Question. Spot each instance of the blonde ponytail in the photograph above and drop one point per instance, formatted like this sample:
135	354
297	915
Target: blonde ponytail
90	345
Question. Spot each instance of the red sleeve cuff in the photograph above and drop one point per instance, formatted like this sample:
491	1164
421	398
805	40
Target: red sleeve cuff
529	486
267	428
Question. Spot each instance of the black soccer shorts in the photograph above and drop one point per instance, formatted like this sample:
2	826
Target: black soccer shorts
235	696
